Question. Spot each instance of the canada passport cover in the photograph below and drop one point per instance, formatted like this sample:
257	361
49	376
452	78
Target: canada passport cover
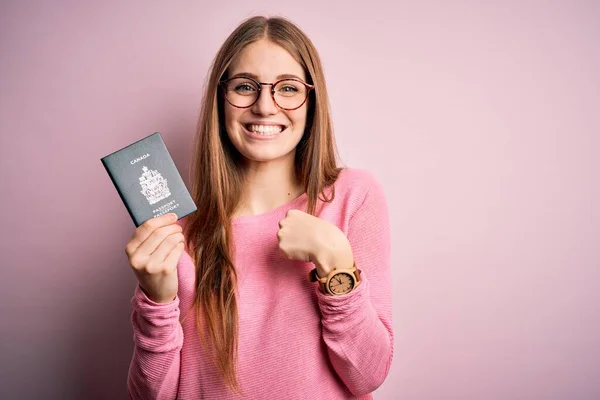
148	181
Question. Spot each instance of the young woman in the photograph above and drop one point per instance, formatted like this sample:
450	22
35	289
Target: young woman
279	285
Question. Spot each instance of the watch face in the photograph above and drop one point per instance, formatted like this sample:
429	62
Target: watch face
341	283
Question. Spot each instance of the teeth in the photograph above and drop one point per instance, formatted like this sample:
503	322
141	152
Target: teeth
265	129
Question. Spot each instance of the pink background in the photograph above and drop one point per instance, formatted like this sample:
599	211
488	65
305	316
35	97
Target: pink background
481	119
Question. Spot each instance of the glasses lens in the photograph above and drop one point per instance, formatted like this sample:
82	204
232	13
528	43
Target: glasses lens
241	92
290	94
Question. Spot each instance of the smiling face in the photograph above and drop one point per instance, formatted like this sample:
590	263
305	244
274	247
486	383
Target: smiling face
263	132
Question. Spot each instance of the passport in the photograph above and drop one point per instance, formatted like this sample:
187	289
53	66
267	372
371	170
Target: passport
148	181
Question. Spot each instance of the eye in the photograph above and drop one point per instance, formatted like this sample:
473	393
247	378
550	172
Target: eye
245	88
288	88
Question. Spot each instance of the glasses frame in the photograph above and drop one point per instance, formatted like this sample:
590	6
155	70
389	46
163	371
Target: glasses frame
223	83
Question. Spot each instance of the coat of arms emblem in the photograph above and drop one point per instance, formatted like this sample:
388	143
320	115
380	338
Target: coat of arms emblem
154	185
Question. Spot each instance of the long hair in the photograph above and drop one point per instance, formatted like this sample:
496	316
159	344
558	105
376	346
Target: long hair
217	177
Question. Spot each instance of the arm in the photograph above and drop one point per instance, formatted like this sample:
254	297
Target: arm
357	327
157	338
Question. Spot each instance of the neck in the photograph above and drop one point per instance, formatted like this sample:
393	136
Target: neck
268	185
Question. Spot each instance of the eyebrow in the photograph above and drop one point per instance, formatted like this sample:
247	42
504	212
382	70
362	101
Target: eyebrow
253	76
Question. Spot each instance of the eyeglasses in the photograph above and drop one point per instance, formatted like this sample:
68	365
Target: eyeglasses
288	94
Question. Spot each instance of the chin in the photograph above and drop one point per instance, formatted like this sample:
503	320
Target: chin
267	156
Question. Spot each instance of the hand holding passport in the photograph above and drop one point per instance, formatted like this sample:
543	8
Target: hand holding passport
154	251
148	181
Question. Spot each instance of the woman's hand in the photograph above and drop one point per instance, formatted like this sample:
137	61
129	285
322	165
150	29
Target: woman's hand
153	251
307	238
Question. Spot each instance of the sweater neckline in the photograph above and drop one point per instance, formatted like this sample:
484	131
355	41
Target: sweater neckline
278	211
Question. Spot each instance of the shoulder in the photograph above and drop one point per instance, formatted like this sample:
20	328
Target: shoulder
355	190
358	183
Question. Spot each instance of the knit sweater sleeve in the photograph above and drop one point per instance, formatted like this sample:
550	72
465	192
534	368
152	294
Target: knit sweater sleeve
158	339
357	327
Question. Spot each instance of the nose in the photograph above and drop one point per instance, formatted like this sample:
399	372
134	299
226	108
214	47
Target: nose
265	105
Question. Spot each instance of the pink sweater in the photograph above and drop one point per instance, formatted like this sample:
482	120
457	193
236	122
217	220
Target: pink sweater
294	341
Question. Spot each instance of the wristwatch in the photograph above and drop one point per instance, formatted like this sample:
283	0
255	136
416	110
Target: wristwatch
338	282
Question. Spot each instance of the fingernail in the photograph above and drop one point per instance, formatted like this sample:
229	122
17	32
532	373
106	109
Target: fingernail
173	217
